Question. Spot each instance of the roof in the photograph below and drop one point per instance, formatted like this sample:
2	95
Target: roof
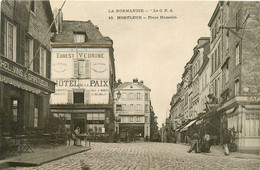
215	13
49	14
93	35
123	85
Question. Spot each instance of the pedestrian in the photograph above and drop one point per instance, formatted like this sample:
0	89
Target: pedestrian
194	144
226	142
75	135
207	140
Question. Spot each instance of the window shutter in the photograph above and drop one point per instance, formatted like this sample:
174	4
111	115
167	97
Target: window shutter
48	64
87	68
36	59
70	96
18	44
76	68
87	97
2	35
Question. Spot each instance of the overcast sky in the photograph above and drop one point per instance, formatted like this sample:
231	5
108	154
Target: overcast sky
152	50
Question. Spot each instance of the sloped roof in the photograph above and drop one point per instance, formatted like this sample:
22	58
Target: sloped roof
124	85
94	37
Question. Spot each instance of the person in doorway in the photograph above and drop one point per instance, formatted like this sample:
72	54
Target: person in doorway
206	141
226	141
194	145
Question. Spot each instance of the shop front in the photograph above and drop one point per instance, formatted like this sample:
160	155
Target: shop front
24	97
135	131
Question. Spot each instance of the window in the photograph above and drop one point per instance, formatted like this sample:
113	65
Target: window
146	107
118	107
146	96
138	107
123	107
87	96
28	52
138	96
10	41
14	110
42	62
82	68
33	6
238	59
138	119
131	96
131	119
95	116
78	96
237	87
79	37
146	119
252	124
35	119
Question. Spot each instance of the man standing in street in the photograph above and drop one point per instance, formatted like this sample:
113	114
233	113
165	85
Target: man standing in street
194	143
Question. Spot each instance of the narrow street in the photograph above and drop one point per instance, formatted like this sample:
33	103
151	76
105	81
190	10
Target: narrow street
117	156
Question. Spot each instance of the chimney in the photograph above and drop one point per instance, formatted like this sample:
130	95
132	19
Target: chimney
135	80
142	82
59	19
119	81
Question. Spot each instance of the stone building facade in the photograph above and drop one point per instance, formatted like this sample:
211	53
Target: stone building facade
25	84
84	71
132	109
228	77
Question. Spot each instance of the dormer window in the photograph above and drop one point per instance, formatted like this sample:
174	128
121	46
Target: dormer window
79	37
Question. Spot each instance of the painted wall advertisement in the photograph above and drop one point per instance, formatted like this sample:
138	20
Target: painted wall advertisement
83	69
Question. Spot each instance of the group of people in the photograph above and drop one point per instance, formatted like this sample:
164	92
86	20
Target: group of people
200	144
74	135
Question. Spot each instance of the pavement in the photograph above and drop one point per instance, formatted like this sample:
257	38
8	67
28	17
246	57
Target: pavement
41	156
148	155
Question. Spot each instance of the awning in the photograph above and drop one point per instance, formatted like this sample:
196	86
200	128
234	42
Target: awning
19	84
188	125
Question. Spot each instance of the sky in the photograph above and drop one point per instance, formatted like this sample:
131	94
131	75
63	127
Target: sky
152	50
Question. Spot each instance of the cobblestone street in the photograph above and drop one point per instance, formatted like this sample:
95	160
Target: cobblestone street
117	156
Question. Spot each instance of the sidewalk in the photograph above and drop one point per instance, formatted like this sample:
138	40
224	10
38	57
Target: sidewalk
41	156
219	151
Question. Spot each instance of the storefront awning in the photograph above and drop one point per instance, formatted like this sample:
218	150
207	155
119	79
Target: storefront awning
19	84
188	125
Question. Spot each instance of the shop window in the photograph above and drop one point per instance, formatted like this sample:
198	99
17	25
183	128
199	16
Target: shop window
252	124
10	41
14	110
78	96
79	37
36	111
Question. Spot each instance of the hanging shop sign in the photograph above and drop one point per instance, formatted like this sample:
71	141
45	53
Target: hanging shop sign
19	71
